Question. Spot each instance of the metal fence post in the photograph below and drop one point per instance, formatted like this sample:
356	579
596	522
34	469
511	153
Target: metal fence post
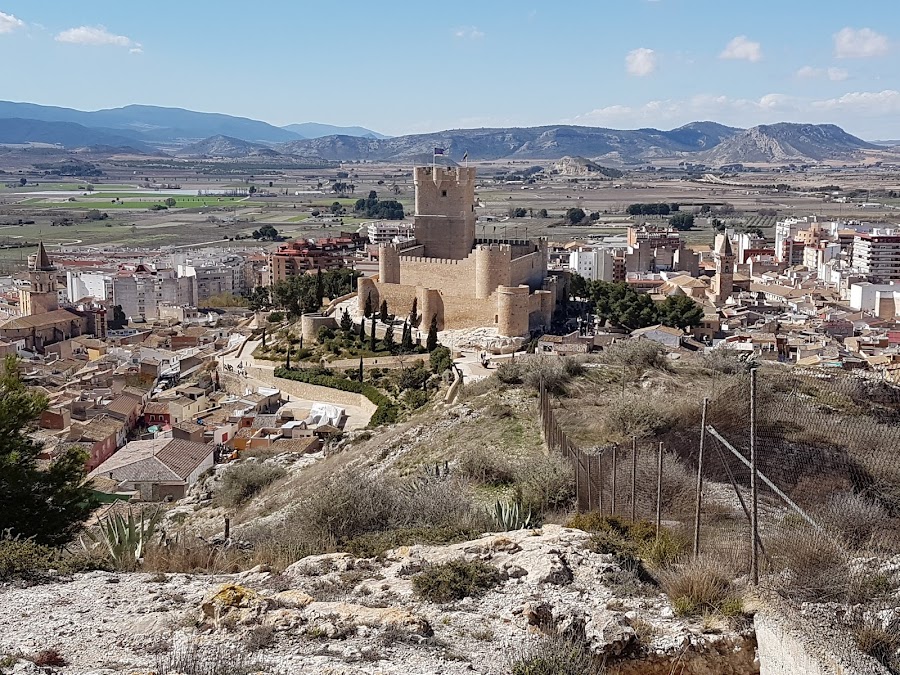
659	470
590	483
615	475
600	483
700	479
633	479
754	469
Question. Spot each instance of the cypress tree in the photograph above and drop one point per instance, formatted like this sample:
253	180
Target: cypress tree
372	336
287	360
360	369
406	343
362	331
414	314
367	308
389	338
383	312
431	342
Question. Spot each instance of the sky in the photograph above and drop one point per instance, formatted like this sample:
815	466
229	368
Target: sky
399	67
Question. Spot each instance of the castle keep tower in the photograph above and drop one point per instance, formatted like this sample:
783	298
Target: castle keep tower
41	295
445	211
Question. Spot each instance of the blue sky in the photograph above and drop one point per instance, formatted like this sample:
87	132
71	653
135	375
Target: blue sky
406	67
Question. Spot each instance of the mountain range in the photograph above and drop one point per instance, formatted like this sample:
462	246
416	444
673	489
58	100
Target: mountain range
186	133
155	124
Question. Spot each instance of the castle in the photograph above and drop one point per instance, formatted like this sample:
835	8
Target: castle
464	281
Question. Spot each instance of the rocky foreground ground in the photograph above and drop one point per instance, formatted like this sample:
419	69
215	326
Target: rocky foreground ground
338	614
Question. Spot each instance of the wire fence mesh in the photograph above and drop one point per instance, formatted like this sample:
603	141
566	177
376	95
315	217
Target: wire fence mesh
827	498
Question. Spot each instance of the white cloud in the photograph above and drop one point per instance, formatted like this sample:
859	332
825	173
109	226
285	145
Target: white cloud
640	62
468	33
852	43
885	102
96	36
833	74
9	23
870	114
742	48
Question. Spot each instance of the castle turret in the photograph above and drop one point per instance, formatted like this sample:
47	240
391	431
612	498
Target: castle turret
389	264
492	268
512	311
445	211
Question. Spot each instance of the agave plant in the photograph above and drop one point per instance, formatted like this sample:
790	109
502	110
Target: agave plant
510	515
125	537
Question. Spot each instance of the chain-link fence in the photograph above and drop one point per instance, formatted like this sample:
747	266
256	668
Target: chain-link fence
823	501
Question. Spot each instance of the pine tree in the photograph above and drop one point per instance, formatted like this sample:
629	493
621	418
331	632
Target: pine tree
431	342
389	338
48	505
372	341
414	313
367	308
346	321
383	312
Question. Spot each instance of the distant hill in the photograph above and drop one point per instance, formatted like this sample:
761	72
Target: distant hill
316	130
227	147
153	123
548	142
786	142
66	134
579	166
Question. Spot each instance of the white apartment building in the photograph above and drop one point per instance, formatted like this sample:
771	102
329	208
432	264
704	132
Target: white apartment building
388	231
595	264
877	254
88	284
140	294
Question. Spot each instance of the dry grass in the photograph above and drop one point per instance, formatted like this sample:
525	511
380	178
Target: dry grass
880	643
698	587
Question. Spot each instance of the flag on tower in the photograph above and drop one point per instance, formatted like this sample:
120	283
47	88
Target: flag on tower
466	157
438	151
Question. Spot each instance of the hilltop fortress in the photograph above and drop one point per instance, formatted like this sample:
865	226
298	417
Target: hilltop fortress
464	281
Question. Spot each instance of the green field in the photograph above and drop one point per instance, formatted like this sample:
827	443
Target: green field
130	202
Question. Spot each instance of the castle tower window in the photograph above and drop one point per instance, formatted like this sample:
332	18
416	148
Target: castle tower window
443	193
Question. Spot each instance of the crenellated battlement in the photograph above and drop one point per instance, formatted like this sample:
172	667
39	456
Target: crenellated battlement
433	261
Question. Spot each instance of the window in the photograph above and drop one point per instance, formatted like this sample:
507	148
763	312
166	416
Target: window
443	193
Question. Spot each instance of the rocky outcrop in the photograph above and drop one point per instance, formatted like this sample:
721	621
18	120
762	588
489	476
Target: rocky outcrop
337	613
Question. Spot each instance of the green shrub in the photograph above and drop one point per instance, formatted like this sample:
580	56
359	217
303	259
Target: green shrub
244	480
546	483
509	373
275	317
455	580
25	559
440	360
613	535
415	398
